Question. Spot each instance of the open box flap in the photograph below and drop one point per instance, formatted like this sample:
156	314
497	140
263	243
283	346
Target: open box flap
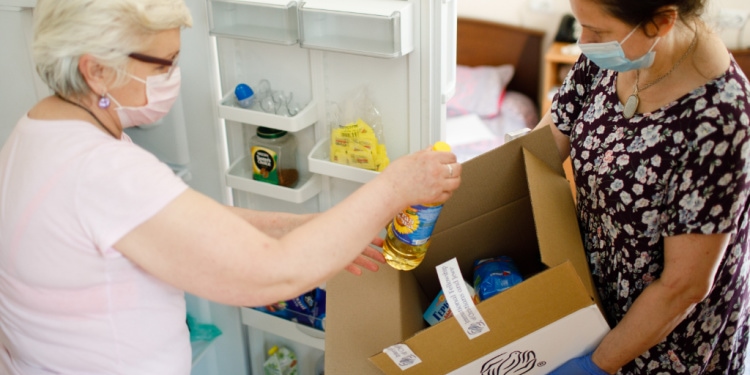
513	314
477	215
556	223
498	178
388	299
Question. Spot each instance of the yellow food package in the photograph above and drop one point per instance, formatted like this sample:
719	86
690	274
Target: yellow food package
364	129
362	159
370	144
339	154
356	144
381	160
339	138
350	130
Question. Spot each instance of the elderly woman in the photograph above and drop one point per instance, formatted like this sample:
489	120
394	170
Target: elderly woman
655	118
99	240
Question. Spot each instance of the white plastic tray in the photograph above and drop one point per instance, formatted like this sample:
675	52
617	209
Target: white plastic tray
306	117
240	177
319	162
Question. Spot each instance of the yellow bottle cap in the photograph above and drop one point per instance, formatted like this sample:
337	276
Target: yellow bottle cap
441	146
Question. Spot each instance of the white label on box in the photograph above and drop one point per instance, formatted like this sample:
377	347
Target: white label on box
543	350
460	301
402	356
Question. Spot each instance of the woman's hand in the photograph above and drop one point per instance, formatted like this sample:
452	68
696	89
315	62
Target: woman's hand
425	176
579	366
367	260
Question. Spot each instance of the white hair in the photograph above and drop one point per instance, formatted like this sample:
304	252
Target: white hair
108	30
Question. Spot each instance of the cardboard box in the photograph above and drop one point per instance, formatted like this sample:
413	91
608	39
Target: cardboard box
513	201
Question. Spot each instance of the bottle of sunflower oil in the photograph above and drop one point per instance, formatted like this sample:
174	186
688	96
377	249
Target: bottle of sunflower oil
408	235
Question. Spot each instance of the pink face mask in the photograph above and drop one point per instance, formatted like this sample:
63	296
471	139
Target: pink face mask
161	92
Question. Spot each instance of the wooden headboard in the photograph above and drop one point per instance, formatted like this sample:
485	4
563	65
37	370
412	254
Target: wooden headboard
742	56
491	43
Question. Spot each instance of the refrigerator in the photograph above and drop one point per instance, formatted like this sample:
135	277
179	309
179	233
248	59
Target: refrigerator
321	53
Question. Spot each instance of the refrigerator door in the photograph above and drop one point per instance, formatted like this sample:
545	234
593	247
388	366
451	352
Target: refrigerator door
318	55
388	62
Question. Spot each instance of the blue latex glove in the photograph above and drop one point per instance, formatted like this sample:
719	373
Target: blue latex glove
579	366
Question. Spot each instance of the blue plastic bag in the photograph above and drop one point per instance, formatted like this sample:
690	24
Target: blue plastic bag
493	275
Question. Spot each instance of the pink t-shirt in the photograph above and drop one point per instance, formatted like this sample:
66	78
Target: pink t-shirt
69	302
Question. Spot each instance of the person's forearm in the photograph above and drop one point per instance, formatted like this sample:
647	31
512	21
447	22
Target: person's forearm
340	233
274	224
653	315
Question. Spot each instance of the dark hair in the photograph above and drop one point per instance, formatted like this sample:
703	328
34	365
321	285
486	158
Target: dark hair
643	11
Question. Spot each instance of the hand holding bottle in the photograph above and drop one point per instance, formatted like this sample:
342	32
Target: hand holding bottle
408	234
425	176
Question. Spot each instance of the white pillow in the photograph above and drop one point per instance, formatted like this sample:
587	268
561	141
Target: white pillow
479	90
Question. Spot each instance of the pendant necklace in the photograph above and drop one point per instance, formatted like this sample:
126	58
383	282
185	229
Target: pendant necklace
631	105
89	112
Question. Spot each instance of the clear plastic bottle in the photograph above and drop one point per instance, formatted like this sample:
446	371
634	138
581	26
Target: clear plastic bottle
245	96
408	235
274	157
281	361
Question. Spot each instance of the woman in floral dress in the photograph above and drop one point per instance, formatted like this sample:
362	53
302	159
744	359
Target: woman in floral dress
658	137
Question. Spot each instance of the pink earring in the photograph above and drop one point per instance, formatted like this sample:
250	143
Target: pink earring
104	101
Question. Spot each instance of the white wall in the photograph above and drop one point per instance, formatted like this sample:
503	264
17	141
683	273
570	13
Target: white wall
521	13
18	87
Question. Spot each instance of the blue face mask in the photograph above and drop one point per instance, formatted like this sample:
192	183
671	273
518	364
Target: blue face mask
610	55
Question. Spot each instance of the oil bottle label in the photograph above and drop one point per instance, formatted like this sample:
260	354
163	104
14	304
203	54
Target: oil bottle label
414	225
265	163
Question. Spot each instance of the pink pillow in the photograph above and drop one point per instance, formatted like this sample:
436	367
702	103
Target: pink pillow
479	90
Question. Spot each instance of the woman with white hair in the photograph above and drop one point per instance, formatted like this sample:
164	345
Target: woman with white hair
99	240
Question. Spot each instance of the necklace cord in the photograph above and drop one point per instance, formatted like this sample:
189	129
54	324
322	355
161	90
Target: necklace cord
631	105
89	112
636	89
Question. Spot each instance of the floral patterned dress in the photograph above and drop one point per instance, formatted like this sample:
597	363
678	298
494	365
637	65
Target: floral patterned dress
684	168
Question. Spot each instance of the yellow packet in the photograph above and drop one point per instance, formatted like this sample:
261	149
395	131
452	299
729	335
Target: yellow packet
361	159
370	144
381	159
364	129
339	138
339	155
350	130
355	147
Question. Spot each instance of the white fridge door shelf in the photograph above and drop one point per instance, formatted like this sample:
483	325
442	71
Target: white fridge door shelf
240	176
382	28
306	117
319	162
377	28
284	328
271	21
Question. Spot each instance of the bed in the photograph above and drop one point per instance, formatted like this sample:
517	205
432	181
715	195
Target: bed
497	85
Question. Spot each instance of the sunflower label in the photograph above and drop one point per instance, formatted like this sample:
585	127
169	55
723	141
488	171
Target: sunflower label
413	226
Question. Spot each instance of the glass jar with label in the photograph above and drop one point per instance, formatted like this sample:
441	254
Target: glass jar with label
274	157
